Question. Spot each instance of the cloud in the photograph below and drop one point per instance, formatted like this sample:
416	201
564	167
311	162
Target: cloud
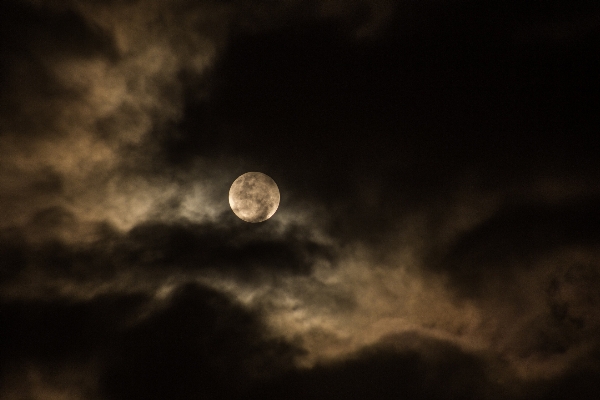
196	342
51	260
83	116
437	230
512	236
222	248
382	371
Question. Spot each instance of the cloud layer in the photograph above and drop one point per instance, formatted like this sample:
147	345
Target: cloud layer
438	228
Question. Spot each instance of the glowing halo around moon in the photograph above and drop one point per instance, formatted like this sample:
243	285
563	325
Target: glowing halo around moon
254	197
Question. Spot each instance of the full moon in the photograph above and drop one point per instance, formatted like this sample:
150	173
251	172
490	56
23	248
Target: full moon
254	197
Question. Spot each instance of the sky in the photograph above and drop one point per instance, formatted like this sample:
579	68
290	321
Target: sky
439	226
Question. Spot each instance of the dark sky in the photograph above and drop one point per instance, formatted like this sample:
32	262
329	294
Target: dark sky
439	227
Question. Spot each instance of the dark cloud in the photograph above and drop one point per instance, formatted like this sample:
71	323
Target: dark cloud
195	343
391	370
582	383
438	175
384	372
13	254
51	32
514	238
55	331
31	38
248	252
204	346
241	249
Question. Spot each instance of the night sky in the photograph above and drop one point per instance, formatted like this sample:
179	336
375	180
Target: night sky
438	235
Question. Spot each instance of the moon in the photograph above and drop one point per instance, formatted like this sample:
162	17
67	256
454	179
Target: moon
254	197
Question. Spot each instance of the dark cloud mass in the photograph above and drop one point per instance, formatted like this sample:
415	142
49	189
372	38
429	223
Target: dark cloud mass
199	338
514	236
438	230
